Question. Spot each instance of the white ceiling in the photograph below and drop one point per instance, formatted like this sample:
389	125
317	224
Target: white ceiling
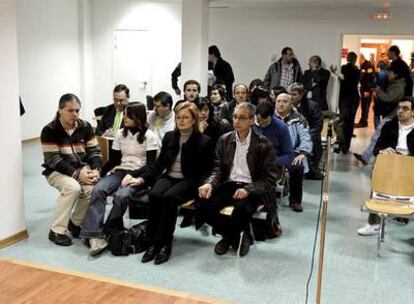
375	4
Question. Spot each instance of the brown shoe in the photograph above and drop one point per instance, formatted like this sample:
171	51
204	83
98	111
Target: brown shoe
222	247
59	239
297	207
277	230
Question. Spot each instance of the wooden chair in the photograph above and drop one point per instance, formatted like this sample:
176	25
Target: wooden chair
392	185
188	205
104	145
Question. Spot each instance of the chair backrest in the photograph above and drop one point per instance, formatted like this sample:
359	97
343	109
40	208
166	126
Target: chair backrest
393	174
104	145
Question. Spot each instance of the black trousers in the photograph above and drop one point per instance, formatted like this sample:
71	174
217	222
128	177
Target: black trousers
228	226
295	183
164	199
347	108
317	152
365	104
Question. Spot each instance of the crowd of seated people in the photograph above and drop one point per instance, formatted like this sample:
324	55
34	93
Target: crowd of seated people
216	151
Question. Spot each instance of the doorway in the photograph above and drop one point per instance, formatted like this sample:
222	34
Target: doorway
374	48
133	62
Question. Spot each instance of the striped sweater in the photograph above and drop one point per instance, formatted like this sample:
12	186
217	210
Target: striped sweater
66	154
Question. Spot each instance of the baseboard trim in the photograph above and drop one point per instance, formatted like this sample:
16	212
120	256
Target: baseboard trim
28	140
14	238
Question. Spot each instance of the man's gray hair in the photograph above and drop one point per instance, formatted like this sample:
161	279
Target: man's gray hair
247	105
297	87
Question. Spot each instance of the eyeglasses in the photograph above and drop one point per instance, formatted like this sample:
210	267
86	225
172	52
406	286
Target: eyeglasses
404	108
242	118
182	117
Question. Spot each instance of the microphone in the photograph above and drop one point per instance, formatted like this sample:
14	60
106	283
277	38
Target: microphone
334	120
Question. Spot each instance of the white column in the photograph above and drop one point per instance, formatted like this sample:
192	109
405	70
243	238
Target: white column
194	56
12	223
86	60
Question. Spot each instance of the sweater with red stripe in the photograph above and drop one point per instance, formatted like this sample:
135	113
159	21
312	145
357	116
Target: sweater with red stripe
66	153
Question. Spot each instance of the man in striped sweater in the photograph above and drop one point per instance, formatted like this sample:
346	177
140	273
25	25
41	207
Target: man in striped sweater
72	161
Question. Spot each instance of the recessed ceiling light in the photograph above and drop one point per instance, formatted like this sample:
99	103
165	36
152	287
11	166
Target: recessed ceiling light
384	15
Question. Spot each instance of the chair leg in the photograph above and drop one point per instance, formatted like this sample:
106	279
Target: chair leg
240	242
252	233
383	228
381	233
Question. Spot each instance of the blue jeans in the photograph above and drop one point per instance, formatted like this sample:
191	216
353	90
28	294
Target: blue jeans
93	224
368	153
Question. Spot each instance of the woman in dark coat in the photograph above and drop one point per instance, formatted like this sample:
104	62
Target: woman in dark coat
185	161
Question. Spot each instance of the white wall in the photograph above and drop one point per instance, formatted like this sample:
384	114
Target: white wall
162	19
248	37
66	45
48	50
11	184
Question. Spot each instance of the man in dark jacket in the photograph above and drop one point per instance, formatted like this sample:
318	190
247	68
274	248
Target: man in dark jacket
397	136
244	175
400	65
310	110
367	86
283	72
348	97
111	116
221	68
276	131
316	81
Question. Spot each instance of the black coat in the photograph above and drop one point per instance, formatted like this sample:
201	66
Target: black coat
107	121
316	81
224	72
196	158
400	65
216	128
389	138
349	85
261	160
311	111
227	111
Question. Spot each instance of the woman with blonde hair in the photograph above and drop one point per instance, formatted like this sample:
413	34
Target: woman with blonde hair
185	160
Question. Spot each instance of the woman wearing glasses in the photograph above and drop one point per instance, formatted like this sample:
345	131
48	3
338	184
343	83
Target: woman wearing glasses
185	161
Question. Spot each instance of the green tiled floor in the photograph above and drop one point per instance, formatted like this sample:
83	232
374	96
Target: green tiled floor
272	272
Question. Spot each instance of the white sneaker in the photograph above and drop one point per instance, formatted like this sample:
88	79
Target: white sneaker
369	229
97	246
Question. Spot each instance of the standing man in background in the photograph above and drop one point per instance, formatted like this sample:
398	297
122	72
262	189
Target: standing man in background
348	97
400	65
367	85
283	72
221	68
177	73
316	81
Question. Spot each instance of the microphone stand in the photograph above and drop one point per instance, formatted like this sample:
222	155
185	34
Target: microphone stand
325	198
